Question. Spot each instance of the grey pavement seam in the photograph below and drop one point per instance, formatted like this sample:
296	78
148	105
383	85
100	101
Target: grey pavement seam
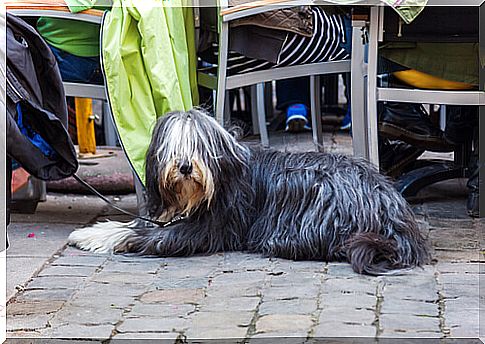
126	310
318	310
379	301
445	331
252	325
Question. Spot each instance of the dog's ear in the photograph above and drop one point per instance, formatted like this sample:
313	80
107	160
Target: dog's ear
238	129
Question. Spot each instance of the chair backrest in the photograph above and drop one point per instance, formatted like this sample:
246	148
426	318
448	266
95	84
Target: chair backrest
59	9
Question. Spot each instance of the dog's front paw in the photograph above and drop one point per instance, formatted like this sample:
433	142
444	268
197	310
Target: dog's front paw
101	237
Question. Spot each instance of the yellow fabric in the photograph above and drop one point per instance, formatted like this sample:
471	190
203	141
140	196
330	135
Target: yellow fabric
422	80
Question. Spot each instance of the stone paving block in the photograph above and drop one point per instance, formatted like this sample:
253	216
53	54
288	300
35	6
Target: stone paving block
458	268
153	324
278	337
147	337
463	238
33	307
296	279
77	331
159	310
237	304
284	323
396	306
46	294
235	258
224	319
352	301
27	322
460	279
200	261
85	315
465	330
174	273
347	316
297	306
66	209
399	335
75	271
349	286
215	334
283	293
456	290
339	329
145	267
335	269
419	293
173	296
451	223
171	283
298	266
242	262
462	303
401	322
226	292
122	278
101	290
120	302
462	317
55	282
120	258
96	261
71	251
463	255
24	337
242	278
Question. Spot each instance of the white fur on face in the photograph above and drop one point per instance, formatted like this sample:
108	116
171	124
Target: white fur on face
197	138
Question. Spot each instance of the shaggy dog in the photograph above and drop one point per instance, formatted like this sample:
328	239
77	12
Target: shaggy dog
226	197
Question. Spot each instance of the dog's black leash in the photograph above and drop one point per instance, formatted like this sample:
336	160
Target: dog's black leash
114	206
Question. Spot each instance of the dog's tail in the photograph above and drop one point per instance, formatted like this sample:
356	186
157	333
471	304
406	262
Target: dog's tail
102	237
373	254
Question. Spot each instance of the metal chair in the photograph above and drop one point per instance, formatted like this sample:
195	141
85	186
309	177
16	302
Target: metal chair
431	173
59	9
223	82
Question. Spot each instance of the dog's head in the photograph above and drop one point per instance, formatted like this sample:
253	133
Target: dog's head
189	155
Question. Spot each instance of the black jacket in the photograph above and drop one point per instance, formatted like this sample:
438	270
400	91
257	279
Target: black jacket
34	81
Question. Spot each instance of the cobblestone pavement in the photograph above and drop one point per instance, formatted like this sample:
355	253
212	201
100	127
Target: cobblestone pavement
74	294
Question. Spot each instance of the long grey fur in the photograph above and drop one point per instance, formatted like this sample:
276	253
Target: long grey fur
301	206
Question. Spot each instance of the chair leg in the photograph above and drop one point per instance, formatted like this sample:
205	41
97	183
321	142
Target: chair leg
316	112
221	107
110	134
357	91
258	112
268	99
371	118
254	110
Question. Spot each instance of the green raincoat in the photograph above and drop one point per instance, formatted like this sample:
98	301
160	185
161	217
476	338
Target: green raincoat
149	60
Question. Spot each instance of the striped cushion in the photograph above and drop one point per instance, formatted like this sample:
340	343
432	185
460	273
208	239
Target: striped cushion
324	45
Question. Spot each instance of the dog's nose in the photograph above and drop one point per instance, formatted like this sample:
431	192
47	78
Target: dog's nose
185	168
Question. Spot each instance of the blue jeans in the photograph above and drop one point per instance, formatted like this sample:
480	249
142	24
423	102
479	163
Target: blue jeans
78	69
347	45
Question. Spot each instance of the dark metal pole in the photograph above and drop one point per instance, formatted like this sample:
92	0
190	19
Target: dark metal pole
481	133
